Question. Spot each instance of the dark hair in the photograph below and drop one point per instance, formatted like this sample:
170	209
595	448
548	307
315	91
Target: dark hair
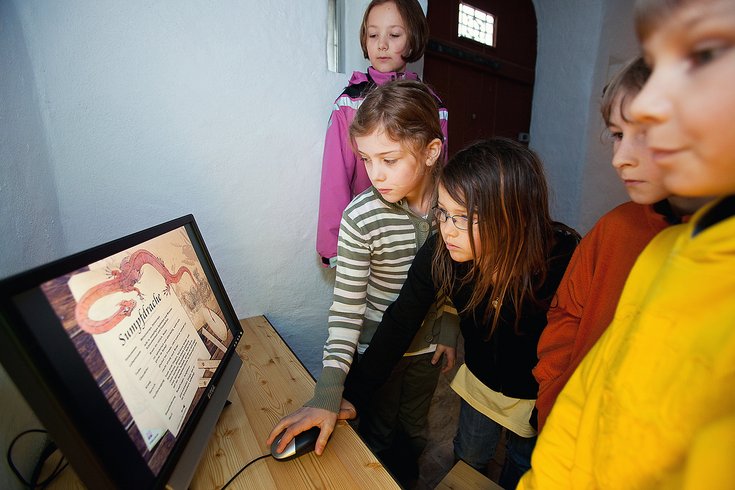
406	110
502	185
624	84
417	27
648	14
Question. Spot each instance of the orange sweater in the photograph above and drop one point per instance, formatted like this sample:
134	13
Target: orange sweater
588	294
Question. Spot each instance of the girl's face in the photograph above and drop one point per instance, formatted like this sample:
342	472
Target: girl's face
387	39
393	169
457	241
688	102
632	160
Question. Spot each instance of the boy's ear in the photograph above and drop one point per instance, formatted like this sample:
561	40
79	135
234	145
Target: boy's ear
433	150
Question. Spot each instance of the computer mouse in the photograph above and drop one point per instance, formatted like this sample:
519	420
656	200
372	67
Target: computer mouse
301	444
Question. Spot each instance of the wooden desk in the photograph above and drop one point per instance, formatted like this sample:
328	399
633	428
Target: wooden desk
272	383
465	477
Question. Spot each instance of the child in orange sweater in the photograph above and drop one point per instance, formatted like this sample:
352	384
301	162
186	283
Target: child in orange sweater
589	292
651	405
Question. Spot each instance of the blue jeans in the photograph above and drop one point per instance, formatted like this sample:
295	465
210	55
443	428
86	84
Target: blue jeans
476	439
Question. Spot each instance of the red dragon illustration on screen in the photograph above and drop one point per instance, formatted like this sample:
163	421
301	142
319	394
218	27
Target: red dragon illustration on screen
123	280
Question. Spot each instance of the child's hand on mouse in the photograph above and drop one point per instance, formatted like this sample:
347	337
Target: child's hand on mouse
304	419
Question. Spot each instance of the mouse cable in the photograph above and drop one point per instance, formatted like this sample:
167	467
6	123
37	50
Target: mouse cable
243	469
48	449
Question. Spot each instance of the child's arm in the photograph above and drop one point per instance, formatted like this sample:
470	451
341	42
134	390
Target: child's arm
556	345
554	456
345	315
447	335
557	340
345	324
338	172
399	325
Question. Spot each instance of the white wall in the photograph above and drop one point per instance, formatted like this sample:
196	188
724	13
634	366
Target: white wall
601	186
566	57
580	44
120	115
152	111
31	231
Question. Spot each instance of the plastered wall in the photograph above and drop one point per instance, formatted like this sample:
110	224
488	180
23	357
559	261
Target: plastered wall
115	116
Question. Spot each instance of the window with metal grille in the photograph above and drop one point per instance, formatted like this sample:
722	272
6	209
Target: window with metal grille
476	25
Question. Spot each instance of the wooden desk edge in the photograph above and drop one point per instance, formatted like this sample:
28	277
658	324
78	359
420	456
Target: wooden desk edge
278	383
463	476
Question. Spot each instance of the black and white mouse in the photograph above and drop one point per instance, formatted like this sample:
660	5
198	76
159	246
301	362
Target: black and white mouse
301	444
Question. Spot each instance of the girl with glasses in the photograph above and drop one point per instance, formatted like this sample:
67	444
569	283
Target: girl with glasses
499	257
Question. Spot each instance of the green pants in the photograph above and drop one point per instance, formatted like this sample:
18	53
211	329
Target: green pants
394	427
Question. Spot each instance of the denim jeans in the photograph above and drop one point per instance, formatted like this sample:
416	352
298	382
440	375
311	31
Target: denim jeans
476	439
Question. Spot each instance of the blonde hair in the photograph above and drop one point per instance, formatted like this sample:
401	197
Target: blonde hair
406	110
415	22
624	85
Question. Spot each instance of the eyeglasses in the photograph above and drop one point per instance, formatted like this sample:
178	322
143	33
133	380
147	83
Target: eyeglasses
460	221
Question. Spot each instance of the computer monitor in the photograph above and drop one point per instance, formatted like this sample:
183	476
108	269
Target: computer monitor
126	353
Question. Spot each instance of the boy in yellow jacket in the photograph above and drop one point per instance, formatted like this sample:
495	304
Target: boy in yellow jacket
653	403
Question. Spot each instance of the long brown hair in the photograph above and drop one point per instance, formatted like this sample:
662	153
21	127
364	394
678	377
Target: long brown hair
502	185
406	110
417	27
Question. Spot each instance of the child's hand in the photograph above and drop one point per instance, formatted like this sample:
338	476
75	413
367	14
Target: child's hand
449	352
304	419
347	410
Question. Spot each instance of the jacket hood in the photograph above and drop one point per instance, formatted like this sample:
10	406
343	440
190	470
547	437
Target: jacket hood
379	77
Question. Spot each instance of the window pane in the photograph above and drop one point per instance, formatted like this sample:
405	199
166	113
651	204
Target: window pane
476	25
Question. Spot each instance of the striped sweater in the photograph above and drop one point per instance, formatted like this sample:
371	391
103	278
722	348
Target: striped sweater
377	243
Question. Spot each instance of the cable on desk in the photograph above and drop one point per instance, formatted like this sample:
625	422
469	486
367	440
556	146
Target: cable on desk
48	450
243	469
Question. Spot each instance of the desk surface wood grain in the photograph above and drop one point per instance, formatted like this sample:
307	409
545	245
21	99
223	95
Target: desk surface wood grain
272	383
464	477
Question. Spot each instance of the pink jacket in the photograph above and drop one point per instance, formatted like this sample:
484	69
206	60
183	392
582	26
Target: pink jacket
343	175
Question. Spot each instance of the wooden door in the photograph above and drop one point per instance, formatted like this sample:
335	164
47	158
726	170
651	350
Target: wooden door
487	90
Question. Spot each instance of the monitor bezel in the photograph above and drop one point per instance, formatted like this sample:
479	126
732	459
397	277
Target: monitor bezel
49	372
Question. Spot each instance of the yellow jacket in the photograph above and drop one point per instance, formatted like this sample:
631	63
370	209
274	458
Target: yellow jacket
653	403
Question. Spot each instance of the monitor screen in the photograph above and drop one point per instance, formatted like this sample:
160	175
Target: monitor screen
122	350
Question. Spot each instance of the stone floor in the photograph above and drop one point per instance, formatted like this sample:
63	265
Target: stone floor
438	458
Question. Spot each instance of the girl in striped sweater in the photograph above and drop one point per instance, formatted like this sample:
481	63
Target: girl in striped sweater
397	134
